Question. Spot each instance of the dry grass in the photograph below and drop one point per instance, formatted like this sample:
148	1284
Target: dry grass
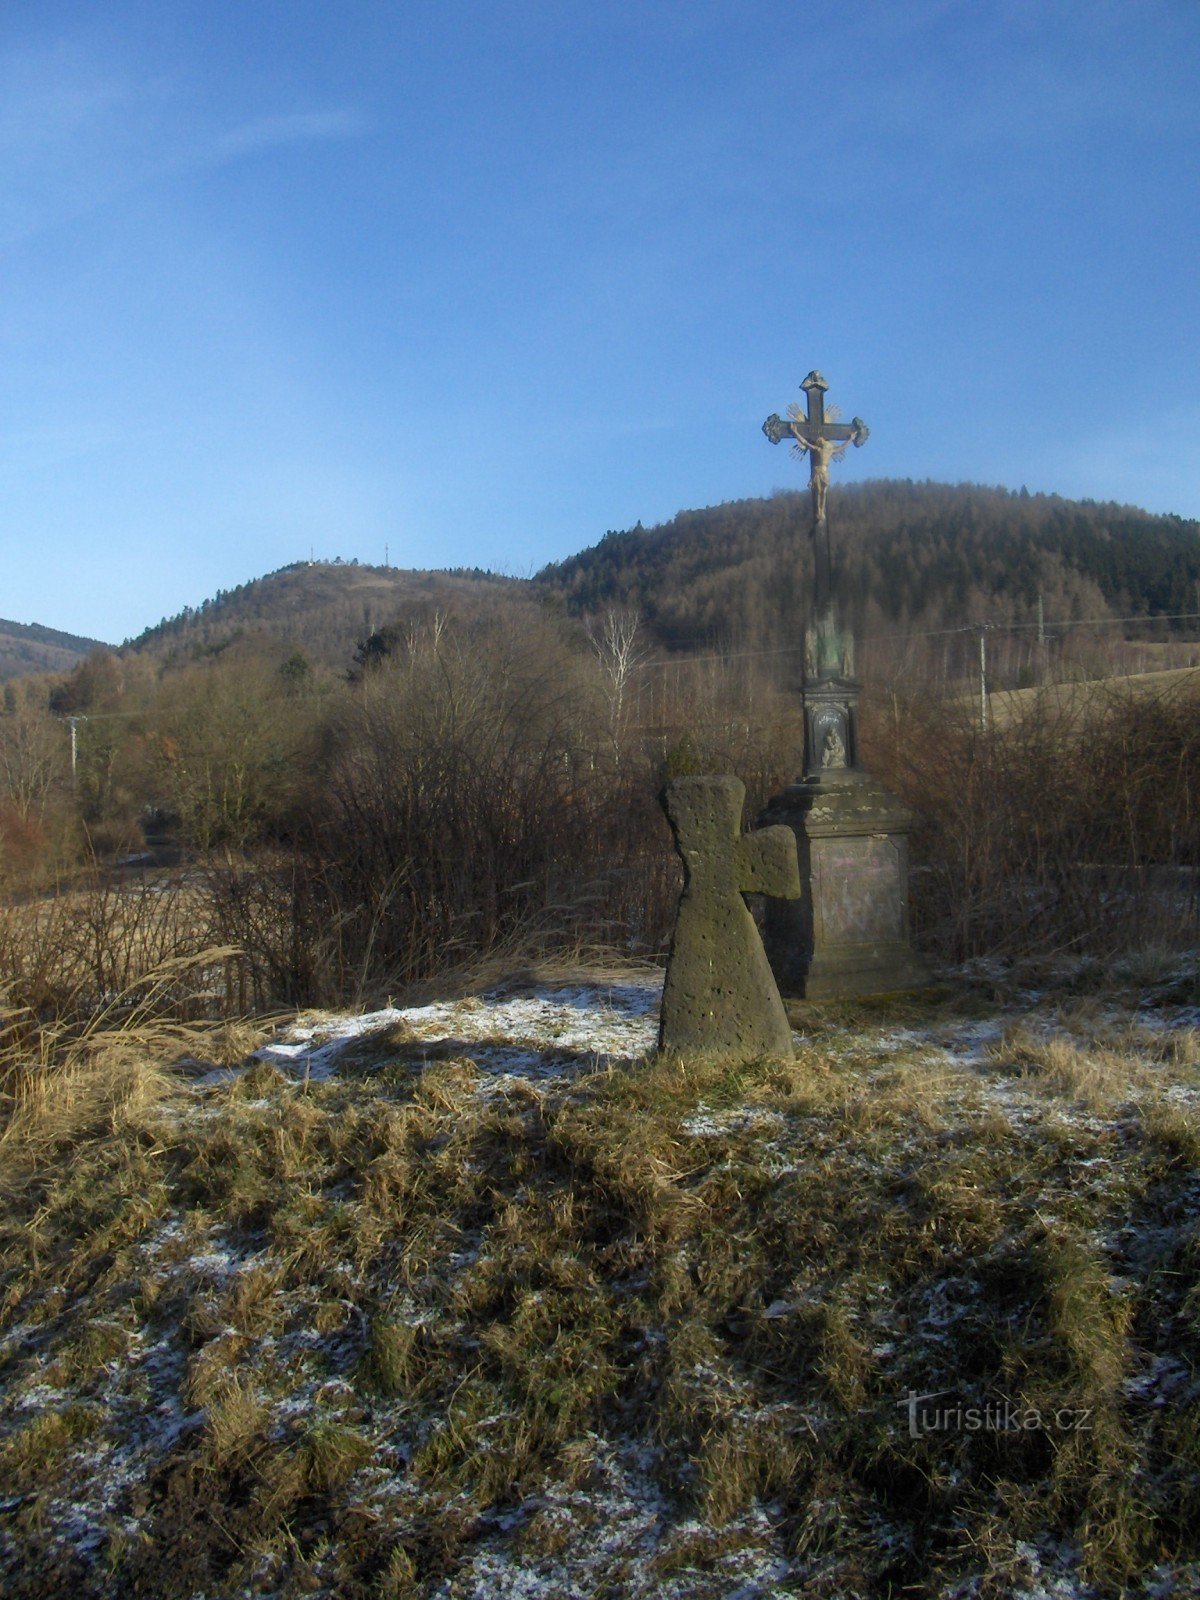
523	964
61	1080
1075	699
68	953
420	1319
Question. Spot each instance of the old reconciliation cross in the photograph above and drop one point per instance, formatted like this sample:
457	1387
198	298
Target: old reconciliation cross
719	996
823	441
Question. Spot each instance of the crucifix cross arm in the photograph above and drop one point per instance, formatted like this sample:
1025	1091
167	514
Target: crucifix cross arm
810	430
798	430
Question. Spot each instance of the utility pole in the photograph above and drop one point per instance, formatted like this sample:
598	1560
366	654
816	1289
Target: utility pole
73	723
983	691
1041	618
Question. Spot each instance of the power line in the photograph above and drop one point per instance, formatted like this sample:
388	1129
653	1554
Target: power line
1041	626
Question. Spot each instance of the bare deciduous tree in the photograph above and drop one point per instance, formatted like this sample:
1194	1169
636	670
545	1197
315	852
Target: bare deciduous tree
616	637
33	761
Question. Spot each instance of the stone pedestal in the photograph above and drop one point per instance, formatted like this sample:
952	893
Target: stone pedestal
848	933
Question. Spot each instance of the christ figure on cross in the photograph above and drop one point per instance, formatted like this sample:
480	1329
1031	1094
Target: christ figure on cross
823	442
820	453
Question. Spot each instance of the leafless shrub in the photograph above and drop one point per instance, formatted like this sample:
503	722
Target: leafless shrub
1075	824
69	955
470	800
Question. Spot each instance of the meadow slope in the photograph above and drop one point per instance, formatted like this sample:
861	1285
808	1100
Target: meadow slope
480	1298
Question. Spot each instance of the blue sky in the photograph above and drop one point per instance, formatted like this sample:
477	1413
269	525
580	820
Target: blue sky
479	283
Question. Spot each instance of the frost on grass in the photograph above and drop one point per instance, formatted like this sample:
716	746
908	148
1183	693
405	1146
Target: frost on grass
477	1298
536	1035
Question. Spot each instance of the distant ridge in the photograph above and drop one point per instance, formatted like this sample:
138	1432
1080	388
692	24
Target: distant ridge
323	608
28	647
909	556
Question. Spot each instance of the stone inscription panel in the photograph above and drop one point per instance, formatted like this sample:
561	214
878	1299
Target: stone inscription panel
857	893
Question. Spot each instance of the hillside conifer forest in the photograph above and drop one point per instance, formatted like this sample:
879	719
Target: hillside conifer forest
356	1241
909	558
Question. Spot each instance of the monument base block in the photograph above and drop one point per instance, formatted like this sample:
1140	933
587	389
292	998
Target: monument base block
848	933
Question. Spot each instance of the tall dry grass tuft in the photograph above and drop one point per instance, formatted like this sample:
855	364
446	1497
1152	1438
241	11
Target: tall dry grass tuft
99	947
62	1081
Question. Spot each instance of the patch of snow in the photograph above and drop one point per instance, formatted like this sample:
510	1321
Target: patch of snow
706	1123
1165	1380
541	1035
40	1397
605	1538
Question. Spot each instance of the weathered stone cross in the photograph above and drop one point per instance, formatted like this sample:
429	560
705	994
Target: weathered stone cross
823	441
719	997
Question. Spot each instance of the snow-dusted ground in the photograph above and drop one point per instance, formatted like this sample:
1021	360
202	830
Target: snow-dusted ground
553	1033
530	1036
562	1031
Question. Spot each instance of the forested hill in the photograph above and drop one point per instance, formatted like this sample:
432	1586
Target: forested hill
27	647
321	607
907	555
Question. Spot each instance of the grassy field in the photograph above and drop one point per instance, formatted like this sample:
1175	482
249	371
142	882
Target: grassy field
1070	701
480	1299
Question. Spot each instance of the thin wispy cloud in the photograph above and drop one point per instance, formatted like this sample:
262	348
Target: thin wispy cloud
1048	71
296	127
76	136
51	100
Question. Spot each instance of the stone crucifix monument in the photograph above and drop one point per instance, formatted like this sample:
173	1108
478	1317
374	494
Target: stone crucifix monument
847	933
822	442
719	998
